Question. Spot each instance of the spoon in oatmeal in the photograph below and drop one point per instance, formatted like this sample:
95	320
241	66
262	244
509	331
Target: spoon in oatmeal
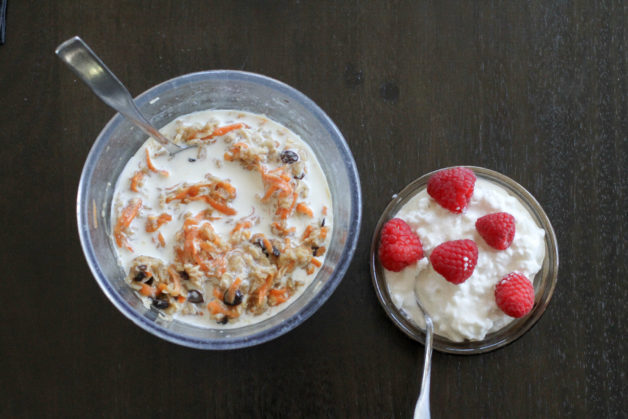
95	74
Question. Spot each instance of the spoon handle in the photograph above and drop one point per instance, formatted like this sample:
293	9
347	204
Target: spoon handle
422	409
94	73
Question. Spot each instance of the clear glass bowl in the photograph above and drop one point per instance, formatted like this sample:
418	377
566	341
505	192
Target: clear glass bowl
223	89
544	282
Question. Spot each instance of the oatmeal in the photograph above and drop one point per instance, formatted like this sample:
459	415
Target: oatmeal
228	232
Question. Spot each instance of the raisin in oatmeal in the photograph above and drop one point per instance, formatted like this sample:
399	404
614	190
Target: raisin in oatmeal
226	233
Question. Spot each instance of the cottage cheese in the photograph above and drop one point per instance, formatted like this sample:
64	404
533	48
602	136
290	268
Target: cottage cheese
467	311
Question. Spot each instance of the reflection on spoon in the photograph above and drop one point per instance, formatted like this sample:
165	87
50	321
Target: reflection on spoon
95	74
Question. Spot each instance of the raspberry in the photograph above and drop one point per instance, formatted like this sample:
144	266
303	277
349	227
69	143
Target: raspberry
398	245
455	260
452	188
498	229
514	295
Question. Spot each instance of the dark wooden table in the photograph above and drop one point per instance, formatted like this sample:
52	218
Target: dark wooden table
536	90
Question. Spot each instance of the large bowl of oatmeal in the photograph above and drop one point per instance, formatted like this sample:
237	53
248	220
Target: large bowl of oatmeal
237	239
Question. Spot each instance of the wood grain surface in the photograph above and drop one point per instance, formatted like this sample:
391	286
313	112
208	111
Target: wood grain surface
535	90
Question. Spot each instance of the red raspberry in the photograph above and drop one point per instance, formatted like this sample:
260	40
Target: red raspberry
498	229
452	188
455	260
514	295
398	245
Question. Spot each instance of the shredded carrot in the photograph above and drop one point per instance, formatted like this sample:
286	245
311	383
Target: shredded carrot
211	196
184	193
181	299
152	168
234	151
220	207
324	211
148	291
323	233
267	245
277	181
217	293
153	223
263	289
279	295
135	180
241	225
270	192
124	221
310	270
282	229
320	251
304	209
307	232
218	307
316	262
284	213
161	287
224	130
236	284
161	239
278	291
227	187
176	279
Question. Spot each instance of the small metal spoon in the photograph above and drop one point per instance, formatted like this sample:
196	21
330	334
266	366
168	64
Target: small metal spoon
422	409
94	73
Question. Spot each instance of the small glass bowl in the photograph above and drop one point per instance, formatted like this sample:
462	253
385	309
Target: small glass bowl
544	282
221	89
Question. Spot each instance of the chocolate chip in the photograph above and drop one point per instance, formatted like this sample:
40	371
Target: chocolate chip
224	320
314	250
301	176
161	303
323	223
232	299
184	275
276	252
140	275
191	160
289	157
195	297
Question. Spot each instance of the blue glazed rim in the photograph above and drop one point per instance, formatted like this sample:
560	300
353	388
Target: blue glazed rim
82	213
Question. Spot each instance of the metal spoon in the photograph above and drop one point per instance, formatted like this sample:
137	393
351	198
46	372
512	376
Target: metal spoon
94	73
422	409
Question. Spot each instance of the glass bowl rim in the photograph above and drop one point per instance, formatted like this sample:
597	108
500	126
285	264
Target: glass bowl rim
311	306
442	344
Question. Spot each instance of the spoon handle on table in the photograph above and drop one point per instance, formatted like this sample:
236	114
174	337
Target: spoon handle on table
94	73
422	409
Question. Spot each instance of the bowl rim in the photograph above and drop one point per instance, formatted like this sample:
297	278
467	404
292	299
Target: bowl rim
310	307
492	341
